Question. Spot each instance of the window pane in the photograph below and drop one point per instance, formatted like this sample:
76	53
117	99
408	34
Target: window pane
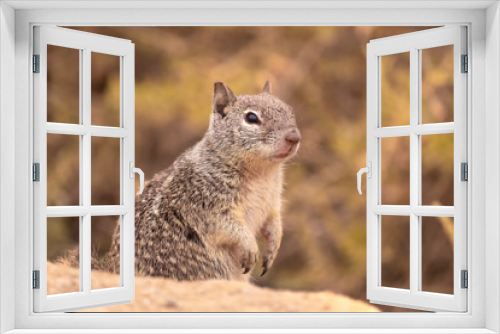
105	171
63	85
395	250
437	254
395	82
395	170
63	247
103	230
437	169
437	84
105	89
63	169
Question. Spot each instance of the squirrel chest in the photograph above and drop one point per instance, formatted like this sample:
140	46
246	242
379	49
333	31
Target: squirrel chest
260	199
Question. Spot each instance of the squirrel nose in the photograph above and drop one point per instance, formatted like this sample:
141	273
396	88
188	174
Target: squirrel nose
293	136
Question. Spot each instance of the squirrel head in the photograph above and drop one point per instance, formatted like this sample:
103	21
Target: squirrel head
253	128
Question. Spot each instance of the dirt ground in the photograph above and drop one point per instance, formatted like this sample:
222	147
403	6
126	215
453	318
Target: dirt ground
153	294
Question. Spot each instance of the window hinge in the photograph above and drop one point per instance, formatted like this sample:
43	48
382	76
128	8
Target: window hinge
36	172
465	64
465	279
36	279
464	167
36	63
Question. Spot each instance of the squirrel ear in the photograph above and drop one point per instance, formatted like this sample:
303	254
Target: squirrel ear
223	97
267	87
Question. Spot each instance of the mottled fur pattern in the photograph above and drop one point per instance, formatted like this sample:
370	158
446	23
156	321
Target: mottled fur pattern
201	217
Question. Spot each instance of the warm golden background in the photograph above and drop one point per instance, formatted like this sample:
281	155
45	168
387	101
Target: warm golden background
321	72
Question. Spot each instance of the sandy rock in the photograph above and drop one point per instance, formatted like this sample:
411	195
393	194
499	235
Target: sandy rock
154	294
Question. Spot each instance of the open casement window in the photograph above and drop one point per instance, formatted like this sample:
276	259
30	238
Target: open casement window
418	123
84	133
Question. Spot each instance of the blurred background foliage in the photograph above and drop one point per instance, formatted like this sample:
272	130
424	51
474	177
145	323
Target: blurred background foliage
321	72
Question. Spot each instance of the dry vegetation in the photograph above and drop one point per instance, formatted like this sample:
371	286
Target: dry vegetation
321	72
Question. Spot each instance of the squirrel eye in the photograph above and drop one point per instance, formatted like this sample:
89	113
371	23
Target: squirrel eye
252	118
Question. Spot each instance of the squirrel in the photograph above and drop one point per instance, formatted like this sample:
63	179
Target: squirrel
201	217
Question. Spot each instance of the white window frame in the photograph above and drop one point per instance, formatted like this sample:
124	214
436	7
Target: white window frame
414	43
85	43
16	217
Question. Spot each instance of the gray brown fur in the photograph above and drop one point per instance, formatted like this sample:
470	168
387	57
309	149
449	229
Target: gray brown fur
201	217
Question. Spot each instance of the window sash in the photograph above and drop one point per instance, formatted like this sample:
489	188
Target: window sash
413	43
85	42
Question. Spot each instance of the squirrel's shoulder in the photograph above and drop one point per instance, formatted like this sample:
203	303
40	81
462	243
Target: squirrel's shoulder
194	167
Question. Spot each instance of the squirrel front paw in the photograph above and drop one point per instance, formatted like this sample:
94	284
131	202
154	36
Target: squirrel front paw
248	256
273	241
267	261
